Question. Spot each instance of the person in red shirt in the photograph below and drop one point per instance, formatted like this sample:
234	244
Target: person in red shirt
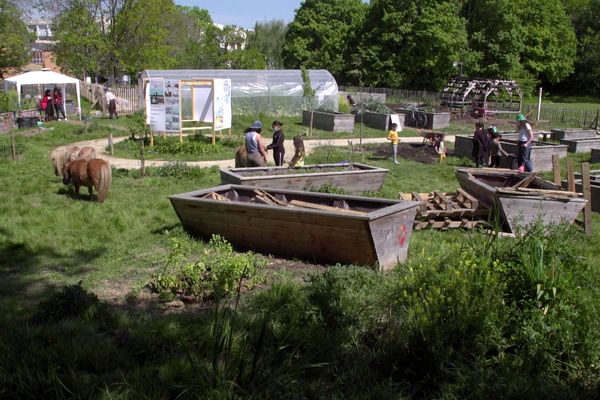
47	105
59	106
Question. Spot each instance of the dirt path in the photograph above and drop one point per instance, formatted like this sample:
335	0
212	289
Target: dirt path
127	163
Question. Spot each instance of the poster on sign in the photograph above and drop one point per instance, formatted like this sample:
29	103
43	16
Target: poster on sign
156	104
172	122
222	104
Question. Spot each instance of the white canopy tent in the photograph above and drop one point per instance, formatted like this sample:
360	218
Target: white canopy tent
46	77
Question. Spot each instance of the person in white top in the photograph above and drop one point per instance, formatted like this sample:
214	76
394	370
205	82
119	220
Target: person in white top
525	142
111	100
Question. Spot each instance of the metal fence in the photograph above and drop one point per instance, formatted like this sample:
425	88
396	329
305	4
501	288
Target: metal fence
416	97
128	97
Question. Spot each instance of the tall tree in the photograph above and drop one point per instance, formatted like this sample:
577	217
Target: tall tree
412	43
15	39
268	39
319	34
197	36
79	45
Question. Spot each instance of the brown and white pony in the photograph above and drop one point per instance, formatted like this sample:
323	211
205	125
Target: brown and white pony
94	173
63	155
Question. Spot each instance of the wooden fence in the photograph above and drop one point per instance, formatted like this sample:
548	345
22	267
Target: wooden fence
128	97
572	117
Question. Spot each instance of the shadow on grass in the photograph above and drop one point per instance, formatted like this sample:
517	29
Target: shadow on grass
70	193
22	264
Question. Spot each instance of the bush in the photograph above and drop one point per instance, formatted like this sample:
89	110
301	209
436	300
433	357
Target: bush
218	273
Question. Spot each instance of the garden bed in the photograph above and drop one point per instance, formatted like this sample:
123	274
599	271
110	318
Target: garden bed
572	134
329	121
350	177
581	145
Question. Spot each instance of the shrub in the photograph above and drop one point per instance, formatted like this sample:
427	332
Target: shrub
218	273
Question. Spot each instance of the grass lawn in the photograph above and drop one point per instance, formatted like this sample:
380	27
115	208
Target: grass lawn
467	314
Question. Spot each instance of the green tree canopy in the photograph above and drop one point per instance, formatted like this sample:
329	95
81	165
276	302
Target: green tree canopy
268	39
80	44
319	34
412	43
15	39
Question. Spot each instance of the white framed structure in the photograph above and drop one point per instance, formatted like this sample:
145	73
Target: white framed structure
174	105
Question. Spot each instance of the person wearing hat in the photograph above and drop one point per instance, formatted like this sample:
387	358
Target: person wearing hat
257	154
111	100
277	144
525	142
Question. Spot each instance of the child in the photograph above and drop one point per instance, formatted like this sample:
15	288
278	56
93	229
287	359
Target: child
393	137
496	150
480	145
298	159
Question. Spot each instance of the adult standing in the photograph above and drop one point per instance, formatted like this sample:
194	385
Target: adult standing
257	154
59	103
277	144
525	143
480	145
111	100
47	104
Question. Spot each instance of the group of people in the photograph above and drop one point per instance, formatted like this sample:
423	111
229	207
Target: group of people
257	151
487	148
52	105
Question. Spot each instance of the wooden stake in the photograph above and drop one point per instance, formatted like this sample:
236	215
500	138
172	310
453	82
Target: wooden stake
556	168
587	194
110	144
570	175
13	146
151	139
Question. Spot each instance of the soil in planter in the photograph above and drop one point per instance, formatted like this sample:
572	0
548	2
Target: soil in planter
409	151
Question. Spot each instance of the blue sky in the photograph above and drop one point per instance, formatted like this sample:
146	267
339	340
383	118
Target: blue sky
245	13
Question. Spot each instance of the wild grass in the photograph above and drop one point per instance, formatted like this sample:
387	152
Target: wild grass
468	315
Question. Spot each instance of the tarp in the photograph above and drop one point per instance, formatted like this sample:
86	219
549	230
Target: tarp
46	77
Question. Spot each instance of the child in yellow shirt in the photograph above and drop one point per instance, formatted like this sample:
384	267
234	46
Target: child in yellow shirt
393	137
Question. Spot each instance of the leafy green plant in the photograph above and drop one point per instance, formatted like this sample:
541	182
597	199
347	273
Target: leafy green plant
214	276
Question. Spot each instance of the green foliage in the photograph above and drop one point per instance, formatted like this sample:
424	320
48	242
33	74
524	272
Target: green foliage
412	44
15	41
328	188
268	39
80	43
374	105
217	274
320	32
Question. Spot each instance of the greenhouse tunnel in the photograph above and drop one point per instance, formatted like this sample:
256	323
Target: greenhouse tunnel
275	92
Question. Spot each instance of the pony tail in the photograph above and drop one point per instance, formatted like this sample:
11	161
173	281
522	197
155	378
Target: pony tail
104	181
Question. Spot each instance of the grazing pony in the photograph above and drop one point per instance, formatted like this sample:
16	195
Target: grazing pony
241	157
63	155
94	173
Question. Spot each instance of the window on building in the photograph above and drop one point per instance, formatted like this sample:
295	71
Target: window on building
36	57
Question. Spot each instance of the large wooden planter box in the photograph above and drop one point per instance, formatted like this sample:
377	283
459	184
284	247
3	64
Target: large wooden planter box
314	226
380	121
581	145
433	120
595	191
329	121
595	156
541	152
351	177
572	134
438	120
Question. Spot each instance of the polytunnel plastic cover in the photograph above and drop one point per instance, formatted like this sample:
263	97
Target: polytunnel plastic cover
277	92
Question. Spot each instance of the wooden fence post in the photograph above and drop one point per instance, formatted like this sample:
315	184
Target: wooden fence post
556	168
587	194
110	143
13	145
570	175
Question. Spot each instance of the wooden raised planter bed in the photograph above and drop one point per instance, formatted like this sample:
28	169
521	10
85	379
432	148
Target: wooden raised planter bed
315	226
572	134
594	190
351	177
380	121
541	152
433	120
581	145
595	156
329	121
